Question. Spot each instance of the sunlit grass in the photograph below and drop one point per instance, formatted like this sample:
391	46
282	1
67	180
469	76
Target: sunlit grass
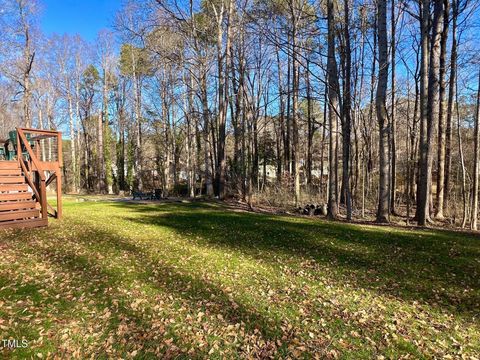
196	280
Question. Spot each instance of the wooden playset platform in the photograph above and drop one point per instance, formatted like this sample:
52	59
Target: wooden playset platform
30	161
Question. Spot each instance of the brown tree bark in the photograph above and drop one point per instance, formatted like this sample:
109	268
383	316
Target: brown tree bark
476	170
310	126
206	134
432	115
347	114
295	91
223	62
462	161
381	107
441	149
393	126
138	122
422	196
450	105
333	113
281	95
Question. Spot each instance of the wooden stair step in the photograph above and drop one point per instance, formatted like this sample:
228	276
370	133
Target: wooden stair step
17	205
9	165
30	223
17	179
19	214
10	172
16	196
13	187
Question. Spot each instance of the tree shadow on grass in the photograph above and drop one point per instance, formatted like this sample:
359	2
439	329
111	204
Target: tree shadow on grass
437	267
89	285
103	286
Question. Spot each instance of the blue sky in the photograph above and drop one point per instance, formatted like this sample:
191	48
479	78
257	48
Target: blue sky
83	17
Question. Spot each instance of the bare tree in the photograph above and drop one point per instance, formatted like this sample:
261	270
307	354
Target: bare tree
381	107
393	127
19	31
432	108
105	54
347	113
441	148
476	155
333	112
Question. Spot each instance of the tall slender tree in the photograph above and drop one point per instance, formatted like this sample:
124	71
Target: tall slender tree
347	113
476	159
441	149
381	107
393	126
333	112
432	114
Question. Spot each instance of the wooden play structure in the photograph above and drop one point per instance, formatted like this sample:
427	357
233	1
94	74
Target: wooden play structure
30	161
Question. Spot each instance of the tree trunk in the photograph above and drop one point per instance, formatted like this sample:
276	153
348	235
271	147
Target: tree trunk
393	126
462	161
100	163
450	106
380	103
322	149
368	126
333	98
191	137
222	65
102	120
476	171
347	115
288	153
432	115
422	195
138	124
310	127
408	152
206	134
72	138
441	117
296	77
281	96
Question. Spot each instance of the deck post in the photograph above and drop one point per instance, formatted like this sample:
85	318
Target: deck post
59	173
59	193
43	198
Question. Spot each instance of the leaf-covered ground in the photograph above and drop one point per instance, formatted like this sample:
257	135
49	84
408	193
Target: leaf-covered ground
125	280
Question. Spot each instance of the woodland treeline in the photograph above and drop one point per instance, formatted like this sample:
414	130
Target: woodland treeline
371	107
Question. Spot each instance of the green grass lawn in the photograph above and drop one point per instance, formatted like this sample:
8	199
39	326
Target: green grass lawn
116	279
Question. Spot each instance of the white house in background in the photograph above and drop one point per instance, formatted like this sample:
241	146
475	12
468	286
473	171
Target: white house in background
183	175
272	171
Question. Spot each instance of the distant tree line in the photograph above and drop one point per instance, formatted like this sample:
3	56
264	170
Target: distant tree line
370	107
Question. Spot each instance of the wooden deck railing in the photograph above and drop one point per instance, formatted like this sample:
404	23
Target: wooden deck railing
41	166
